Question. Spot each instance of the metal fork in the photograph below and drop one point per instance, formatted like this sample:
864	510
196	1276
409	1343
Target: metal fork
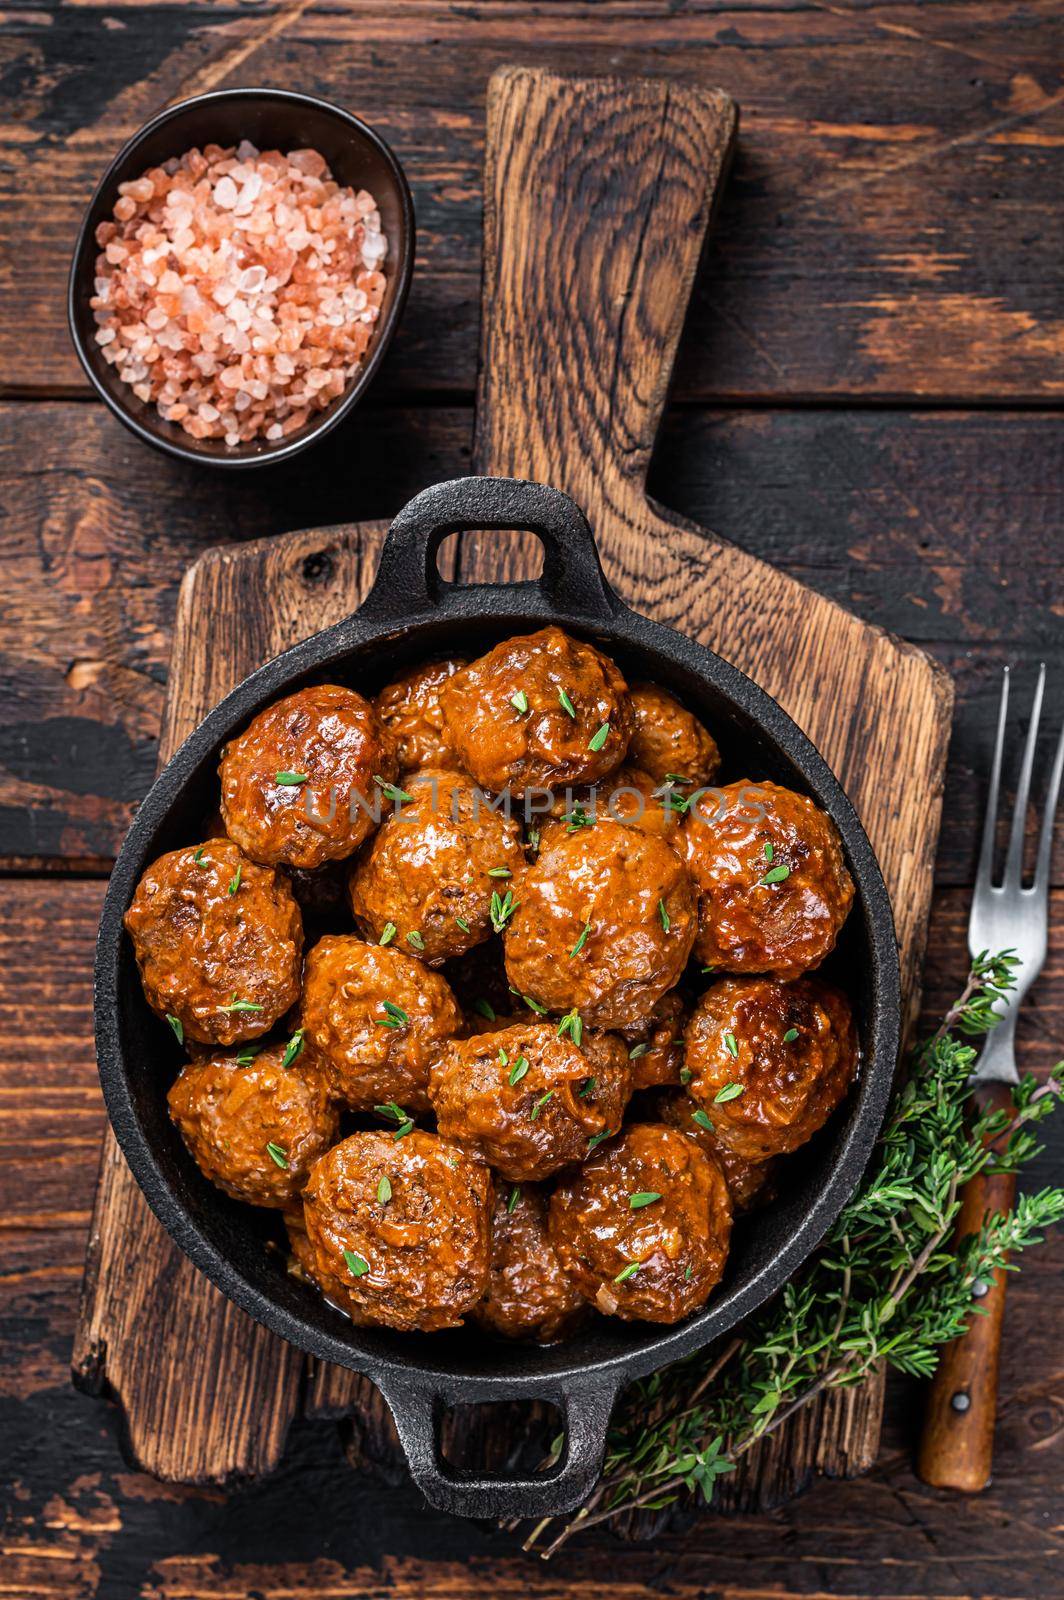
957	1442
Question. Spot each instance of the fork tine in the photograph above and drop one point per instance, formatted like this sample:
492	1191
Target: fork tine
1014	858
1045	838
986	850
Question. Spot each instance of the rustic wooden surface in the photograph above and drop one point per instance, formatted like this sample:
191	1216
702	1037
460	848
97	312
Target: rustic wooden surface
868	398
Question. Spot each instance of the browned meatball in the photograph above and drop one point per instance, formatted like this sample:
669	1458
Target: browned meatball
399	1230
529	1296
769	1061
748	1181
627	795
655	1052
526	1101
377	1016
774	889
411	714
218	942
298	785
643	1227
667	741
605	924
255	1127
538	711
438	874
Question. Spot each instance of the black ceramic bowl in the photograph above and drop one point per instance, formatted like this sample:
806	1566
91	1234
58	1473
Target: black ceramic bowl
271	119
410	615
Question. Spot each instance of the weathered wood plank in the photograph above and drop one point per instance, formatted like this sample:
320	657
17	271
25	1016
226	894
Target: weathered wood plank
80	1523
943	527
891	228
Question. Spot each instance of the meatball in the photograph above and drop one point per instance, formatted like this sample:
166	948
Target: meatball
604	926
218	941
377	1016
667	741
255	1126
302	784
769	1061
628	795
399	1230
410	712
643	1227
656	1046
538	711
748	1181
442	873
773	885
529	1296
528	1101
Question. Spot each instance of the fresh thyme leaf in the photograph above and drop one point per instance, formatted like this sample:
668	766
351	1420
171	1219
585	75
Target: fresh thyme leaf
566	704
596	1139
178	1027
730	1091
293	1048
676	777
198	857
485	1009
586	1088
388	933
637	1051
234	882
703	1121
517	1071
246	1055
515	1195
394	1016
730	1045
572	1025
357	1265
504	1059
534	1005
580	943
537	1105
666	922
685	1075
391	792
519	701
641	1198
768	850
776	874
414	940
533	838
241	1005
598	739
627	1272
278	1155
499	872
790	1035
384	1190
462	923
503	907
403	1129
578	818
291	779
688	1272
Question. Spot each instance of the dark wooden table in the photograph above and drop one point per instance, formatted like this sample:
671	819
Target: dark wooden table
868	395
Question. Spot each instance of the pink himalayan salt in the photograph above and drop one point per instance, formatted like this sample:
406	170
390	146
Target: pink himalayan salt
237	291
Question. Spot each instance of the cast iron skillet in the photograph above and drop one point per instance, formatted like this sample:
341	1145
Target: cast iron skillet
409	615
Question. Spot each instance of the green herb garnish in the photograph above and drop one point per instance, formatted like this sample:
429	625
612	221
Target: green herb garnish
730	1091
178	1027
642	1197
198	857
485	1009
388	933
703	1121
637	1051
598	739
596	1139
517	1071
572	1025
586	1088
502	909
384	1190
462	923
293	1048
290	779
790	1035
731	1046
394	1016
580	943
357	1265
414	940
241	1005
499	872
776	874
278	1155
566	704
537	1105
519	701
627	1272
666	921
515	1195
234	882
390	792
768	850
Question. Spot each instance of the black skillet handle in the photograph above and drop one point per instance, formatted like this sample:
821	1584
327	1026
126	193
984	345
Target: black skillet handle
417	1403
408	580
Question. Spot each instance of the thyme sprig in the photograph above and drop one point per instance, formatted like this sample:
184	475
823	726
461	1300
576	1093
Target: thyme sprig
888	1284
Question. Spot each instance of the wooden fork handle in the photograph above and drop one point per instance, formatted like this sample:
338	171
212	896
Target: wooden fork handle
956	1446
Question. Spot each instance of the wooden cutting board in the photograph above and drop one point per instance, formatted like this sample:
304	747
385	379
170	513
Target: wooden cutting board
598	197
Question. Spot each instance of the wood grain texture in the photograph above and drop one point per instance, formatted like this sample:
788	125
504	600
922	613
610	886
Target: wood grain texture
957	1442
892	229
574	382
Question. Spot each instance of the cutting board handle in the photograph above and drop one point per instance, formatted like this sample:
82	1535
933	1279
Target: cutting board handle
598	197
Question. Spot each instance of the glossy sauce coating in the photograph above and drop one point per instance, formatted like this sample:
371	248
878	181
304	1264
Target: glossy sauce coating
229	1112
331	737
203	950
736	836
667	741
505	746
412	717
627	795
433	869
679	1240
748	1181
529	1296
414	1215
561	1096
632	897
737	1034
655	1048
373	1054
